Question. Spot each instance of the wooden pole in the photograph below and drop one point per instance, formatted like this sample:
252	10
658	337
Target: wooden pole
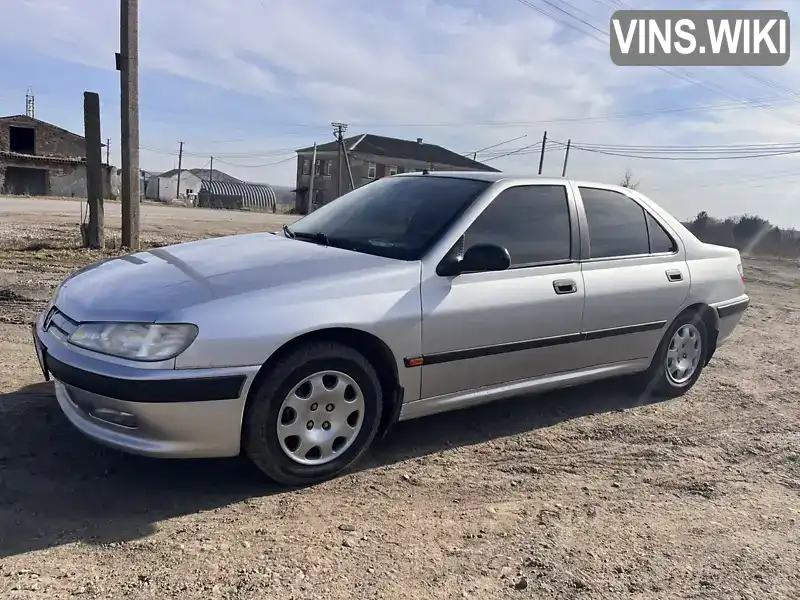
541	156
180	163
94	169
128	65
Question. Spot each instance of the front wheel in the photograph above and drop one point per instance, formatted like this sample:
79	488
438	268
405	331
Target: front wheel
314	415
680	357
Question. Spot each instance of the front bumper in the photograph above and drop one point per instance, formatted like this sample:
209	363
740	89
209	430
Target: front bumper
165	413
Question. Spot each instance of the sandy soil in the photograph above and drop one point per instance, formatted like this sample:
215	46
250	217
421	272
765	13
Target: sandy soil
579	494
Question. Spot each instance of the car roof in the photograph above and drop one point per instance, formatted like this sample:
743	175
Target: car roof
509	177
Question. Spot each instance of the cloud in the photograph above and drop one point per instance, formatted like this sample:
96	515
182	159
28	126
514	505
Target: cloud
444	71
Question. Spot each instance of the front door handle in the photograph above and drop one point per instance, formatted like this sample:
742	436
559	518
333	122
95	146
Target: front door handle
674	275
565	286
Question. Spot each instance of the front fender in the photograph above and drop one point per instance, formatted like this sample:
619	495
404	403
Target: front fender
245	330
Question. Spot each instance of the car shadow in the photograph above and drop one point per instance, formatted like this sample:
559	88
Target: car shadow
57	487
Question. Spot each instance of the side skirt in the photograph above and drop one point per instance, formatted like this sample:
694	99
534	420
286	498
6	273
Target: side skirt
459	400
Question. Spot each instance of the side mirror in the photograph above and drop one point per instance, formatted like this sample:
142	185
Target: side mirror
478	259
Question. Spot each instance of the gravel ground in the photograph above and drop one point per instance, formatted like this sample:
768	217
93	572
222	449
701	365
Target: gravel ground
578	494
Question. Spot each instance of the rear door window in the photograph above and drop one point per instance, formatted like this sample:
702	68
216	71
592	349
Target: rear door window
617	225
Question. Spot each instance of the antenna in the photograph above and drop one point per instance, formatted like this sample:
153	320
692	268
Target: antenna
30	104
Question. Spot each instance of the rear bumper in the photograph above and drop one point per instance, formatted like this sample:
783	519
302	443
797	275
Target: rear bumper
164	413
729	315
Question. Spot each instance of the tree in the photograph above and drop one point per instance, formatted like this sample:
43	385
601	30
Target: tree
628	182
751	234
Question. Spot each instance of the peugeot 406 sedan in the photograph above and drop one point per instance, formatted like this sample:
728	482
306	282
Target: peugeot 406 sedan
412	295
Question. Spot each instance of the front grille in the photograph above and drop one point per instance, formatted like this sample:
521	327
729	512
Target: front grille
59	324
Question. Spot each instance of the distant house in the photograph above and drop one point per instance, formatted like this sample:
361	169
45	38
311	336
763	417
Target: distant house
164	186
371	157
41	159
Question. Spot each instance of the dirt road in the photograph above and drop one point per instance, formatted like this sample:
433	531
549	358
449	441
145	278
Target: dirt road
579	494
154	217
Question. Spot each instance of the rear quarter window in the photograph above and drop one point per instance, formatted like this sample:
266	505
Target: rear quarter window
660	240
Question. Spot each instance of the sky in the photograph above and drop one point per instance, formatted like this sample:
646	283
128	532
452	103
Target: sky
250	81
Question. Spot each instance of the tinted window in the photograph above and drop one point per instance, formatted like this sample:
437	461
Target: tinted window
397	217
531	222
660	241
616	224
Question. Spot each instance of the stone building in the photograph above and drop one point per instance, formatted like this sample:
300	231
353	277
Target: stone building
371	157
41	159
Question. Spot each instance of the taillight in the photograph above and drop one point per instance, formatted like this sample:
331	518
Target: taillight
741	271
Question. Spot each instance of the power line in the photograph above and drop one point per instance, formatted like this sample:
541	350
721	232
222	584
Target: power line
482	150
680	73
232	155
738	104
695	148
766	82
535	148
616	4
699	152
753	154
569	14
271	164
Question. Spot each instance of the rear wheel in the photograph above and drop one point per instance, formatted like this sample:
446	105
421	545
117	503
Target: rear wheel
314	415
680	357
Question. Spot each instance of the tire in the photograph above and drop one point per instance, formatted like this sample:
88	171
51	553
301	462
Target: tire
274	453
658	382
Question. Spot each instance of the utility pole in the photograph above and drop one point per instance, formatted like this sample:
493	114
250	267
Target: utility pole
211	171
128	66
347	164
340	129
95	237
541	156
312	173
566	158
108	151
180	161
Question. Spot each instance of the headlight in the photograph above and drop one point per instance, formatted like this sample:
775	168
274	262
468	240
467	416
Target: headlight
135	341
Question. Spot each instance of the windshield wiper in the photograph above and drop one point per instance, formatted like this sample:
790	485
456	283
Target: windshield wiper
317	237
288	232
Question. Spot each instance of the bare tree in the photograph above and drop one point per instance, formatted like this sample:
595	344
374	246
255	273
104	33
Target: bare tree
628	182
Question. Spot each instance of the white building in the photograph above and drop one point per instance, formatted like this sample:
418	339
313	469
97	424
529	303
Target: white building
164	187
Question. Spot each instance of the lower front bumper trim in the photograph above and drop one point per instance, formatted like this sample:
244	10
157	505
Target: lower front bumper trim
176	389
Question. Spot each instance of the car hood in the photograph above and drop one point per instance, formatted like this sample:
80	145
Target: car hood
146	285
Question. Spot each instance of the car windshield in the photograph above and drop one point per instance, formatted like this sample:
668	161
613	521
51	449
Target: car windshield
396	217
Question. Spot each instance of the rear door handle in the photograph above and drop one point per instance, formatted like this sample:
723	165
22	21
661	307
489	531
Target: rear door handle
674	275
565	286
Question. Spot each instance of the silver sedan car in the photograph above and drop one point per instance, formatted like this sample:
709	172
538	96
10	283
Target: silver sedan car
412	295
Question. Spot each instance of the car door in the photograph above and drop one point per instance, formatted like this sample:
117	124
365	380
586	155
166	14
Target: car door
635	275
484	329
